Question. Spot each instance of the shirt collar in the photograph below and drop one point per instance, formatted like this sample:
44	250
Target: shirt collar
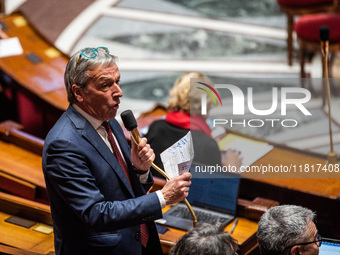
93	121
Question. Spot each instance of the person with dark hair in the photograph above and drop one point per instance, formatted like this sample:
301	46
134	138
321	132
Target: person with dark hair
205	239
96	183
288	229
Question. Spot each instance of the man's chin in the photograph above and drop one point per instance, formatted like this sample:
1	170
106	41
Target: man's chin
112	114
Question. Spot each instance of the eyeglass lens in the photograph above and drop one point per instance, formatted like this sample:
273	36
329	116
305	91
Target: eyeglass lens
91	53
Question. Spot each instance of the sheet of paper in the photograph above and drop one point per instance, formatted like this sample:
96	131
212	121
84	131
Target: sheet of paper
177	159
10	47
250	150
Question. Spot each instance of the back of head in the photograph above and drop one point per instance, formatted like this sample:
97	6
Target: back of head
282	226
84	60
181	98
205	239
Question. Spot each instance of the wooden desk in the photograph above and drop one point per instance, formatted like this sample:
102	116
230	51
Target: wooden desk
281	155
29	239
20	237
324	187
41	83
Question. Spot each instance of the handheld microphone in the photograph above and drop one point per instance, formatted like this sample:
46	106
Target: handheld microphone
130	124
324	37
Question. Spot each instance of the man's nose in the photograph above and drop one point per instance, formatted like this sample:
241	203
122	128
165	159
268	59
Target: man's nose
117	90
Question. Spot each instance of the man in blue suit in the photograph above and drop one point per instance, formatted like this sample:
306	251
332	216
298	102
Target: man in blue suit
96	183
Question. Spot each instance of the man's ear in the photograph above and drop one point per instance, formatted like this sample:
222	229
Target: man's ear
295	250
77	92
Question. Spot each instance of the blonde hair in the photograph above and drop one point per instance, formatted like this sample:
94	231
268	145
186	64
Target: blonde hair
182	99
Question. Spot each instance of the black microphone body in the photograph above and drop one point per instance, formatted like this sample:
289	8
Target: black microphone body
129	120
324	38
130	124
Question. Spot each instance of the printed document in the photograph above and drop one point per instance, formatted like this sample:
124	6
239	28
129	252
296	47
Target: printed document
177	159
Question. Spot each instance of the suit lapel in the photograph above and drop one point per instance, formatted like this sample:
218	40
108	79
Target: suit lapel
91	135
118	132
126	150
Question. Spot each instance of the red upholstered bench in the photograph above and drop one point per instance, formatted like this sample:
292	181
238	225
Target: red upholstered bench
294	8
307	30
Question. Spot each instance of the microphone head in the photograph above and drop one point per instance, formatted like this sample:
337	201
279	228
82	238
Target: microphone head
129	120
324	33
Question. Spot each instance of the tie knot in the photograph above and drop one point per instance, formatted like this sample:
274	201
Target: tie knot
106	125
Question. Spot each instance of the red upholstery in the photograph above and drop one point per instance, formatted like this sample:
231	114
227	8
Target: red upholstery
307	27
304	3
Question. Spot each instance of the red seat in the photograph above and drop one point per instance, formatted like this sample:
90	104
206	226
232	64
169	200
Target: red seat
294	8
307	27
307	31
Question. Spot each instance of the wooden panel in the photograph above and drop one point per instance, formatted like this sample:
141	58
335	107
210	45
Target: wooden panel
17	186
25	208
21	164
10	132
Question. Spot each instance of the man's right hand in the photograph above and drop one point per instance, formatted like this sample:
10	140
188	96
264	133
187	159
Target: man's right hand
176	189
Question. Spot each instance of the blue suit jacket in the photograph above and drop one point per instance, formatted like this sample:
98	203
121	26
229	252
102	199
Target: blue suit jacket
94	208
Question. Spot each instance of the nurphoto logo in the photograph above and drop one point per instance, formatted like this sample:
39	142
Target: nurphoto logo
204	98
281	99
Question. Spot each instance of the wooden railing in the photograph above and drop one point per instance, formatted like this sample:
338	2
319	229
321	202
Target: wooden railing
20	164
